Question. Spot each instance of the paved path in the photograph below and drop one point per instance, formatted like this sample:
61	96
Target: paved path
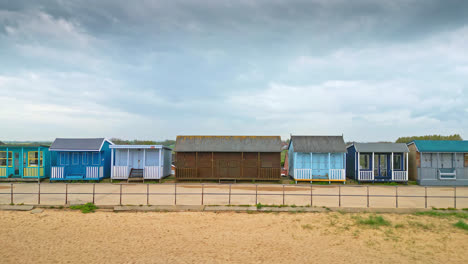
241	194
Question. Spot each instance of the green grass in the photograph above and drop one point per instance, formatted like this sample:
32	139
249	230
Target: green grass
373	221
85	208
462	225
436	213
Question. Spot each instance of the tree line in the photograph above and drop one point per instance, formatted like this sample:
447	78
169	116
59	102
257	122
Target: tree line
429	137
119	141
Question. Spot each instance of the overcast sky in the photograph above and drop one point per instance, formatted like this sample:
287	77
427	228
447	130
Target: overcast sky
371	70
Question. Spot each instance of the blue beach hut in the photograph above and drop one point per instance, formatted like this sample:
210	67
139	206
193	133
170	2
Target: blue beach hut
378	162
317	158
80	159
24	162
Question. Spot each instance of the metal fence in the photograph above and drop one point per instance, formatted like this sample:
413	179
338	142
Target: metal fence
203	194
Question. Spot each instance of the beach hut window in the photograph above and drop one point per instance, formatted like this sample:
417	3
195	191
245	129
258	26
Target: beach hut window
33	158
75	158
64	158
25	159
3	158
364	161
466	160
95	158
427	160
397	161
84	158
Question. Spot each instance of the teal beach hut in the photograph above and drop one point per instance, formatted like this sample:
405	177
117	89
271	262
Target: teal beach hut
443	163
24	162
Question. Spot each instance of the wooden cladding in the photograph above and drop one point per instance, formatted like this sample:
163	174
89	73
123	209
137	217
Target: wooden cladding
228	165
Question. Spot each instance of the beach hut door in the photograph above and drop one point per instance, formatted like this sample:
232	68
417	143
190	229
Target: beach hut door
17	162
138	159
381	166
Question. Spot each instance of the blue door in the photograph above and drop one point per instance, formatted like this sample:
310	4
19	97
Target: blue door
381	170
76	166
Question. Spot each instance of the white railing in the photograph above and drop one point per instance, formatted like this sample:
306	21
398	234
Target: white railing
94	172
303	174
307	174
366	175
57	173
337	174
399	176
120	172
151	172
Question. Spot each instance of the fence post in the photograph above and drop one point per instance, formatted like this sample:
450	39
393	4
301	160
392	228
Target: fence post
120	194
339	195
283	194
425	197
202	192
175	193
11	194
311	196
94	191
39	194
455	197
367	196
396	196
147	194
66	193
230	193
256	193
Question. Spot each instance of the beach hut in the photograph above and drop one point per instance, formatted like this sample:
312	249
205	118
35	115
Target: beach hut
228	158
317	158
80	159
439	162
378	162
24	162
140	162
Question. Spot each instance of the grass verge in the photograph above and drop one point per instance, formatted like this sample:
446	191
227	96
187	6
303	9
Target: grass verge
85	208
462	225
373	221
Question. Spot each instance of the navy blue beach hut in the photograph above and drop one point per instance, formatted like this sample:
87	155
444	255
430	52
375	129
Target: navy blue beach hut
24	162
378	162
317	158
80	159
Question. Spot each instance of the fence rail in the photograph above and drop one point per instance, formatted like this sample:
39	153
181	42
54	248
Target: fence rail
281	192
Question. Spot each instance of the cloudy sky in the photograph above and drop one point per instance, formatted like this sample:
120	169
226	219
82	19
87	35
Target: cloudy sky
371	70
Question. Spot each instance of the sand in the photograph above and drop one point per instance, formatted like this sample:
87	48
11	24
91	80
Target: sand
63	236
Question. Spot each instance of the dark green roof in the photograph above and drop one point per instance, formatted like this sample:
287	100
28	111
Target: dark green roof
441	145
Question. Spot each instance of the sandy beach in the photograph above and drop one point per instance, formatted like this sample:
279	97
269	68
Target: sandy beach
64	236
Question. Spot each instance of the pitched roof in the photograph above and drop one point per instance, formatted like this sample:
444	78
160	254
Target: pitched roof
228	144
441	145
77	144
318	144
381	147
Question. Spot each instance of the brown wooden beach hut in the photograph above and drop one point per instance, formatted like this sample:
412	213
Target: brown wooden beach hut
228	157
